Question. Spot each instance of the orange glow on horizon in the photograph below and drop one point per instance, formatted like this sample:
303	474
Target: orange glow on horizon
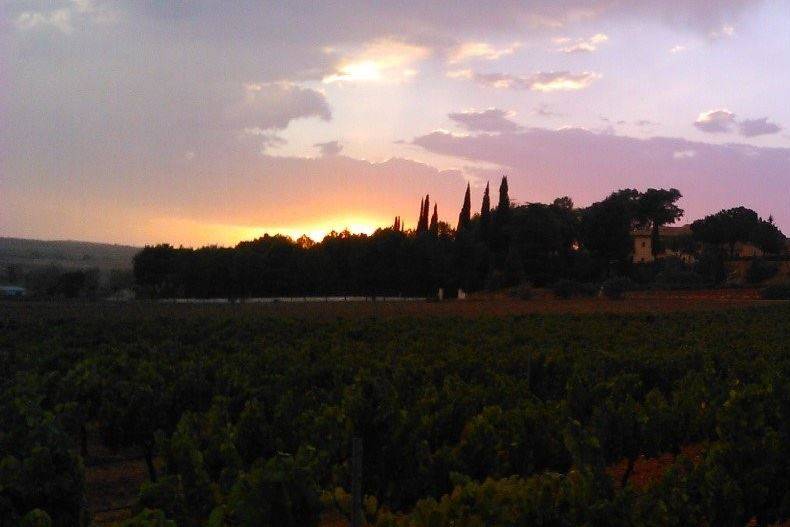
187	232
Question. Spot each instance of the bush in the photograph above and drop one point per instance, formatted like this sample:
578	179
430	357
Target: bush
777	292
760	270
522	292
571	288
615	287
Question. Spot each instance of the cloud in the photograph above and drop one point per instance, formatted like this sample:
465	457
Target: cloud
380	60
724	121
274	105
586	165
580	45
716	121
330	148
480	50
677	49
267	138
725	31
59	19
490	120
755	127
541	81
544	110
684	154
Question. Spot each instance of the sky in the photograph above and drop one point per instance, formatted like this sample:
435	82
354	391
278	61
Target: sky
207	122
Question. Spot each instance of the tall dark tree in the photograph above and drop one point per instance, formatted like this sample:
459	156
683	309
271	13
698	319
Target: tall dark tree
426	212
504	198
656	209
485	208
466	210
434	227
420	226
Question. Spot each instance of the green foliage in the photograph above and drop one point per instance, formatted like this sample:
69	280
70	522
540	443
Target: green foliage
486	421
760	269
36	518
149	518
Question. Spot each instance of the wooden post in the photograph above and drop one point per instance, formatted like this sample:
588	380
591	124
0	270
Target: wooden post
356	483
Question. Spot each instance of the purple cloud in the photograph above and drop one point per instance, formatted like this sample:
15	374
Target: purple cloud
330	148
716	122
586	165
490	120
755	127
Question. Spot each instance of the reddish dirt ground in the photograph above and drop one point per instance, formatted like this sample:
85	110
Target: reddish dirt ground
475	306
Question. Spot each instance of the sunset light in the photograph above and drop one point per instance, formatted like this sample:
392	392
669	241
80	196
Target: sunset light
390	263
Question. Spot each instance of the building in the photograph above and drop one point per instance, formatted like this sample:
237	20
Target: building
670	239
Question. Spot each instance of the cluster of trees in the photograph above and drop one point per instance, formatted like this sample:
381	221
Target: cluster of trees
495	422
499	246
55	281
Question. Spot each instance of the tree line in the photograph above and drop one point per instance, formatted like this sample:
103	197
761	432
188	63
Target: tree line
499	246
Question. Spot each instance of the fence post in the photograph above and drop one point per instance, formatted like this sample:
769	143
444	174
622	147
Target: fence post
356	483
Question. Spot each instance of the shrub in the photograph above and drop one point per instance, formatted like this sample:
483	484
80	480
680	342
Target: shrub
760	270
777	292
522	292
615	287
570	288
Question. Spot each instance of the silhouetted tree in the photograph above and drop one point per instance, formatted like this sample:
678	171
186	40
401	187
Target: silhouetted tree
434	226
466	210
656	209
420	226
728	227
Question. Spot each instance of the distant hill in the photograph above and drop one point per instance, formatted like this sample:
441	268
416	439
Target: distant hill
24	254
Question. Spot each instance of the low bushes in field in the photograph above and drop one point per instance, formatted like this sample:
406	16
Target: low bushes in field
776	292
571	288
614	288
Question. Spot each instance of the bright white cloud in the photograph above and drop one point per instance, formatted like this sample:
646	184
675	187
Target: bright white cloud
716	121
580	45
384	60
677	49
542	81
480	50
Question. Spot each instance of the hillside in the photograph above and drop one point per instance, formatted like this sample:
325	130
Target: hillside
24	254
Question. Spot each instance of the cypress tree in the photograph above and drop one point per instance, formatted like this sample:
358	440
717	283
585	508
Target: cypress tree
434	228
485	210
420	226
466	210
504	199
426	212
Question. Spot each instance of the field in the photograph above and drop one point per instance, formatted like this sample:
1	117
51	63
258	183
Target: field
660	409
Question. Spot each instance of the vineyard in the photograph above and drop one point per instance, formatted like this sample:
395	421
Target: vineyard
244	415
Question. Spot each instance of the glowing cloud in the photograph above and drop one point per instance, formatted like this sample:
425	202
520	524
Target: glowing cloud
542	81
716	121
381	60
588	45
480	50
